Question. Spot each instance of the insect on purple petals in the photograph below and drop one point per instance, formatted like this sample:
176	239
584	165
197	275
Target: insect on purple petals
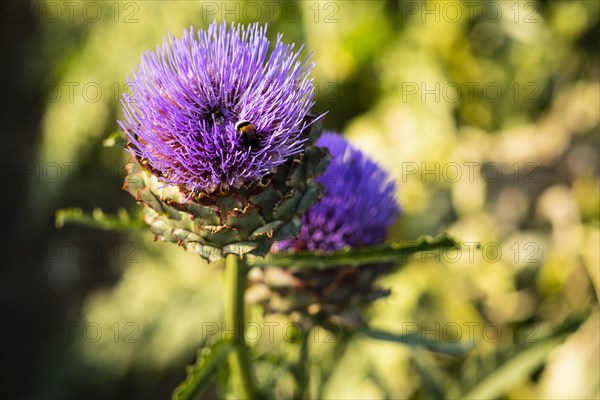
248	135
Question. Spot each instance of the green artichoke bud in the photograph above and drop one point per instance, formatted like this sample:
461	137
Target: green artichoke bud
328	297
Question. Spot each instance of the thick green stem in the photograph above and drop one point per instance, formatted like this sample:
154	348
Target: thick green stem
302	368
239	360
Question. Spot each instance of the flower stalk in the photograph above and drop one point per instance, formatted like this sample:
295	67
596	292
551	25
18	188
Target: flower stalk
239	360
303	368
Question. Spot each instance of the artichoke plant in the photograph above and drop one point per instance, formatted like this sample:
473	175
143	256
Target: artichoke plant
222	142
228	161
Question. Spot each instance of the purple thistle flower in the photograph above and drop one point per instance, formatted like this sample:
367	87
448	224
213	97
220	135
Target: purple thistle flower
216	110
357	208
358	205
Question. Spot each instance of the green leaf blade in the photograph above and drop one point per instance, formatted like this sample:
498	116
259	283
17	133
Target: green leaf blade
199	375
97	219
418	340
394	252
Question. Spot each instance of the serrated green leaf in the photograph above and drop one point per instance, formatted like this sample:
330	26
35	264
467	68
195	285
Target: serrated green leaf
98	219
199	374
394	252
517	368
418	340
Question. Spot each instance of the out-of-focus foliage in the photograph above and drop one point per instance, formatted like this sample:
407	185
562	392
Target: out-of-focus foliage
488	119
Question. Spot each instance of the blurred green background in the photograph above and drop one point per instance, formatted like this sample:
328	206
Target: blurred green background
486	114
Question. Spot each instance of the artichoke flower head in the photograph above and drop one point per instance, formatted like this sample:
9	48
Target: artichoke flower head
222	143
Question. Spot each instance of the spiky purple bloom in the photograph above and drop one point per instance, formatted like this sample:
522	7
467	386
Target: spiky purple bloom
358	204
188	95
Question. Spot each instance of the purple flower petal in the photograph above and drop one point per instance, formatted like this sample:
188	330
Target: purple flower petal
188	95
